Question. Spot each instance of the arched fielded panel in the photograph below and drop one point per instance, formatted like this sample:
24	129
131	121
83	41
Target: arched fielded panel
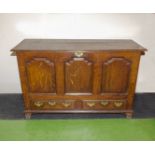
78	76
115	75
41	75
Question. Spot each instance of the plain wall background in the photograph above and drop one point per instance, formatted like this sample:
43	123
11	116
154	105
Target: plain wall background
16	27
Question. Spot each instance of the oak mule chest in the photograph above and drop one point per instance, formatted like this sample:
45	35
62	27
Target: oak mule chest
78	75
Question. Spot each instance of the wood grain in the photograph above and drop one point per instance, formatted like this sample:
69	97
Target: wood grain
78	76
41	75
115	75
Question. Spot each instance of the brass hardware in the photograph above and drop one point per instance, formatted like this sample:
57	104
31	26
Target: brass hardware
118	103
104	103
79	53
66	104
91	104
52	103
38	103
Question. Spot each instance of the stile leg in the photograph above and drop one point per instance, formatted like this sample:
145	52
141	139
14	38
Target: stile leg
28	115
129	115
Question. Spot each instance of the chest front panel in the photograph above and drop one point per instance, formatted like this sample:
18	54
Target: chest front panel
95	74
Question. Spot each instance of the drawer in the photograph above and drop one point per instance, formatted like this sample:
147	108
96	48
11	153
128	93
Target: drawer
52	105
104	105
78	105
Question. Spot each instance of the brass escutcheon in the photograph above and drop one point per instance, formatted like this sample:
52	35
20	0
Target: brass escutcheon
38	103
52	103
79	53
91	104
118	103
104	103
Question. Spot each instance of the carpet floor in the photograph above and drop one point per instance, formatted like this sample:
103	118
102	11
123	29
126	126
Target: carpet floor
78	130
11	107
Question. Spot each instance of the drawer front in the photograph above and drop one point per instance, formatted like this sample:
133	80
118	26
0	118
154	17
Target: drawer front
78	105
104	105
53	105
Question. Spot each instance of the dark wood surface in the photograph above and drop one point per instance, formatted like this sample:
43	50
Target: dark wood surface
77	44
76	81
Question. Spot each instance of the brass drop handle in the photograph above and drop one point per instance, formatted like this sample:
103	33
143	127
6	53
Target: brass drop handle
118	103
79	53
104	103
66	104
52	103
38	103
91	104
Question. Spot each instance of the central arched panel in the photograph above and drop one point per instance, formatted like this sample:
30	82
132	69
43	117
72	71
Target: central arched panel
78	76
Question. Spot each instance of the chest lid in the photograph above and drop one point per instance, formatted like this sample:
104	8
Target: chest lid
78	44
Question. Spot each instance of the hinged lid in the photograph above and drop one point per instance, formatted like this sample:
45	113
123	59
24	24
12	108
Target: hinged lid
78	44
